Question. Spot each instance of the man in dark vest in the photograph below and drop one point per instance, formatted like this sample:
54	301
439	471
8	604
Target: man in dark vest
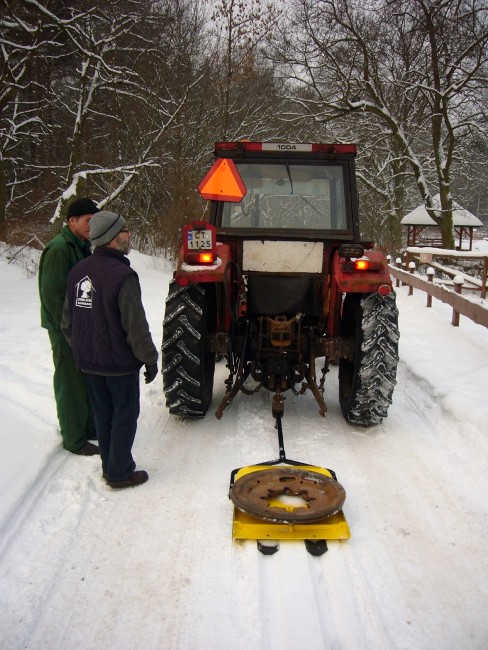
70	388
105	323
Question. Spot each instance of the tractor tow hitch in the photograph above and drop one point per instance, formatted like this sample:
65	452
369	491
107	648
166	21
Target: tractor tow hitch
277	407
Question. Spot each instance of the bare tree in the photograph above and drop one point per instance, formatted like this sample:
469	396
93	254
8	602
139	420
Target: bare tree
167	194
112	102
109	96
248	88
416	67
25	40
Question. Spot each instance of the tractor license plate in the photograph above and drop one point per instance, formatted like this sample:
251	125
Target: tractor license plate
199	240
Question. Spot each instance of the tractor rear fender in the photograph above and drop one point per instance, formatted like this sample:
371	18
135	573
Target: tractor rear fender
347	278
350	279
186	273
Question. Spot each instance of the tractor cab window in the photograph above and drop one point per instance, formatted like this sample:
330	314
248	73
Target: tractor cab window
290	196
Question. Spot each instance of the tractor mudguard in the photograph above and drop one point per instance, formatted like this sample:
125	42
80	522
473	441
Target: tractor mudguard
361	281
209	273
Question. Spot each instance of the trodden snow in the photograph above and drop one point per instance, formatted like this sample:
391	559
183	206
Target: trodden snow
85	567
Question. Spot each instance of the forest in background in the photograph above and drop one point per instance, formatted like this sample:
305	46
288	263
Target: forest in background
123	100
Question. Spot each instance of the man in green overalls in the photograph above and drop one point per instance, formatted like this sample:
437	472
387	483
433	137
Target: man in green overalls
70	387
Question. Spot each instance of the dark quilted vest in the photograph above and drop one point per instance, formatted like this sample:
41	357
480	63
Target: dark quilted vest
99	342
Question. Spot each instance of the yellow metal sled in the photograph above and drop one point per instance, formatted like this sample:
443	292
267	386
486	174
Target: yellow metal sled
246	526
287	500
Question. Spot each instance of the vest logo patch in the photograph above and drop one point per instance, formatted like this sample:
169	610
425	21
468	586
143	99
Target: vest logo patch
84	293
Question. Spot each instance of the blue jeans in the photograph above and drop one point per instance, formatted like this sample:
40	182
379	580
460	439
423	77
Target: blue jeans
115	402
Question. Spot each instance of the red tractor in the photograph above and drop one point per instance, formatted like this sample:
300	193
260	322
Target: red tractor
277	278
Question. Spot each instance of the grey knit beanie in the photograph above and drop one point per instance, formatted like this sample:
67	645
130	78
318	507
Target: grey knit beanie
105	226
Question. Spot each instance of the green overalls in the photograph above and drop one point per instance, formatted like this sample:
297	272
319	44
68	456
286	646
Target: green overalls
70	388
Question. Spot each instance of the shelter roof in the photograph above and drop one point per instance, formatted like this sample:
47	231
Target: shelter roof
460	216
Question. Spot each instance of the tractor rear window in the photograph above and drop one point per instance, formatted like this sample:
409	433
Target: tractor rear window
283	195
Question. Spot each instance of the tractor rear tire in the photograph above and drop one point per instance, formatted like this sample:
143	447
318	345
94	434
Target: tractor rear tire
188	364
366	383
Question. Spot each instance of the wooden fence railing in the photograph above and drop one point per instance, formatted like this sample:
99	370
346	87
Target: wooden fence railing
461	305
427	256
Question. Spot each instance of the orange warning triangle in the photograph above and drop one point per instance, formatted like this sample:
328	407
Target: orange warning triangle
223	182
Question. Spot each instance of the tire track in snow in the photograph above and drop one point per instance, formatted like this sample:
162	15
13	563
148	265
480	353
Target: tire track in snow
30	502
53	513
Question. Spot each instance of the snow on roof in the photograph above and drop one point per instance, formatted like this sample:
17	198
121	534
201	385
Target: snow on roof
420	216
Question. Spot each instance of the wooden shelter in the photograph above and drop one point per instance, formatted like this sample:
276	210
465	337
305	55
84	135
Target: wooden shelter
422	230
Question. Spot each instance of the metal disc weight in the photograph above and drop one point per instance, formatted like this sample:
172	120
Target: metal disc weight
263	493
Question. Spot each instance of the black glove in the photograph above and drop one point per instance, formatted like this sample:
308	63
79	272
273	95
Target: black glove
151	372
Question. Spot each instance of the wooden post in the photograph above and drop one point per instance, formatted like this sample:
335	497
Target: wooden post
405	264
484	279
411	266
458	285
430	277
398	263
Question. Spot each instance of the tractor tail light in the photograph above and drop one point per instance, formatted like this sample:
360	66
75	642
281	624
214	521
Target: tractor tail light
206	258
195	257
384	290
362	265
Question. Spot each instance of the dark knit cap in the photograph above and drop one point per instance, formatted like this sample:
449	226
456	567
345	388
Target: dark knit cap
105	226
80	207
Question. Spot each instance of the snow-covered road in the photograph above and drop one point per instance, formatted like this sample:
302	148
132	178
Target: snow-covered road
84	567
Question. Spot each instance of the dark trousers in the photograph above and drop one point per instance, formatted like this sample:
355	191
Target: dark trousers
73	407
115	401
